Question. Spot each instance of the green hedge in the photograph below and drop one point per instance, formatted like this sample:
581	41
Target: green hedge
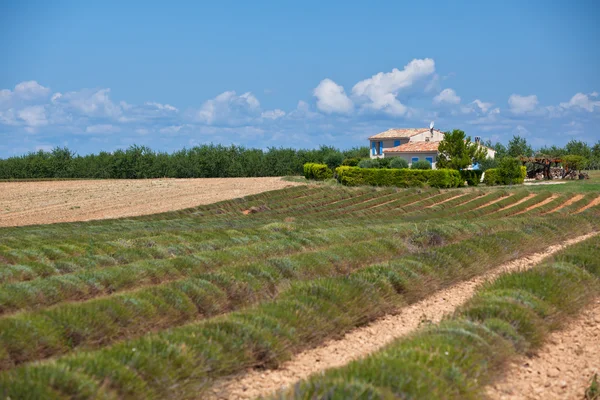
440	178
318	172
472	177
492	177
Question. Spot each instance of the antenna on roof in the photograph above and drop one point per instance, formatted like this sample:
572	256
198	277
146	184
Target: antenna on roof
431	128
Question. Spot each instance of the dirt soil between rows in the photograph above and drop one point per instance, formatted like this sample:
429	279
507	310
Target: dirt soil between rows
365	340
562	369
31	203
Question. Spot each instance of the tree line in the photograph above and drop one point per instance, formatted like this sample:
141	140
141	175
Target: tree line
139	162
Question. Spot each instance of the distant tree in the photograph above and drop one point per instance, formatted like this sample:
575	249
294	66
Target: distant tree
552	151
518	146
334	159
500	149
575	162
578	148
456	151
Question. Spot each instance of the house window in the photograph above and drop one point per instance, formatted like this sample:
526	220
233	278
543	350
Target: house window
414	159
430	159
396	143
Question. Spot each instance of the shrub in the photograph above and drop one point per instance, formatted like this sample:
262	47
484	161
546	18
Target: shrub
318	172
493	177
509	171
351	162
421	164
471	176
442	178
333	160
398	163
367	163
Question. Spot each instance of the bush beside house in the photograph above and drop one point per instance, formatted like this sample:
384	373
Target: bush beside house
495	176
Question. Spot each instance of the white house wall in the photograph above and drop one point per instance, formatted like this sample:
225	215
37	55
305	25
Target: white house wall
387	144
409	156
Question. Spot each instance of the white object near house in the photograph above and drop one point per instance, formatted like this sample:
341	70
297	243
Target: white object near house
411	144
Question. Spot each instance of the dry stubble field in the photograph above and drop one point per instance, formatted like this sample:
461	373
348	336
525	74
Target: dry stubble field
29	203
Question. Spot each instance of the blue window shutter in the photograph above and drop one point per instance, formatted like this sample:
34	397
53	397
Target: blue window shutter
396	143
373	148
430	159
380	147
414	159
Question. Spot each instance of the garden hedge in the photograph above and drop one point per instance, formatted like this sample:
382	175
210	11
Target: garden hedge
492	177
471	176
318	172
440	178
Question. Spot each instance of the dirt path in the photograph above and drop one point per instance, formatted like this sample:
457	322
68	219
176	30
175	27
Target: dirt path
541	203
567	203
593	203
27	203
562	369
365	340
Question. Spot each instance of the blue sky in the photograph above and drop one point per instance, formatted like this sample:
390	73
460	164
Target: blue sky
102	75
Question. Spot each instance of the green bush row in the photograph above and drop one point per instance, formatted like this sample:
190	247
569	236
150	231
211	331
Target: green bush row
440	178
493	176
183	360
458	357
317	172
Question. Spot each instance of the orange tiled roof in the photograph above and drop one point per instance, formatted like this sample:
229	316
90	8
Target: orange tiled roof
400	133
414	147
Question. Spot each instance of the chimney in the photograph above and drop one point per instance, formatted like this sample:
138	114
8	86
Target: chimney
477	139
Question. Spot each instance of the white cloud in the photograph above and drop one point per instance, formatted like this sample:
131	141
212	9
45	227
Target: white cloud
33	116
228	108
159	106
142	131
273	114
447	96
30	90
91	103
582	101
483	106
331	98
102	128
169	130
381	90
522	104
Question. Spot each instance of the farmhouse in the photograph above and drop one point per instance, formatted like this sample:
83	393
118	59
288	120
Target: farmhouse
412	144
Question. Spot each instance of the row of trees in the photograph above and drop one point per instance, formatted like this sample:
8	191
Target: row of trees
207	161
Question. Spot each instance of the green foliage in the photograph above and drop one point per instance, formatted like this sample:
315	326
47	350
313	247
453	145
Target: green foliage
456	151
398	163
575	162
472	177
421	164
518	146
333	160
351	162
139	162
510	176
368	163
488	163
442	178
317	172
510	171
